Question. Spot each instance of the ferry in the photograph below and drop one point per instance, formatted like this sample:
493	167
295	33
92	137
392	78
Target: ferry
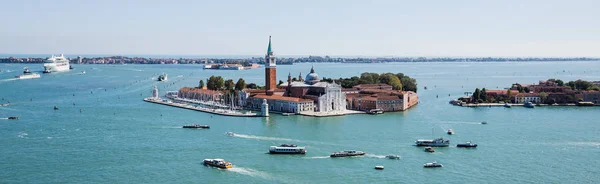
467	145
162	77
439	142
450	132
348	153
27	74
56	64
217	162
287	149
196	126
433	164
394	157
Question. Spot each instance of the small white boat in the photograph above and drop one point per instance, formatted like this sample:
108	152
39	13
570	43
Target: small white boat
28	75
450	132
393	157
379	167
433	164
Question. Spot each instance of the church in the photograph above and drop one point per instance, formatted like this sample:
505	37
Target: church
306	95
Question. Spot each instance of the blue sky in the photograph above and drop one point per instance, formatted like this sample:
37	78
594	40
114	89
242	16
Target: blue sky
509	28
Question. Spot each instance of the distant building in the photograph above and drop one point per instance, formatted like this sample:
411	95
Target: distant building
386	100
327	96
591	96
522	98
372	86
200	94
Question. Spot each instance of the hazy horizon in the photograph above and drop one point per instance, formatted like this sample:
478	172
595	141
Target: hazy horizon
336	28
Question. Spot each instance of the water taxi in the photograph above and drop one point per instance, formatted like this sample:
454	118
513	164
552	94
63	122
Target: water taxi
395	157
450	132
287	149
217	162
507	105
529	105
348	153
484	122
375	111
196	126
433	164
467	145
429	149
439	142
379	167
13	118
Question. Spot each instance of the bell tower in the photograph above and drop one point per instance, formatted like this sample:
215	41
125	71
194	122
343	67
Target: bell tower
270	71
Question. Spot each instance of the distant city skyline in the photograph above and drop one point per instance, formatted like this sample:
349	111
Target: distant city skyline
336	28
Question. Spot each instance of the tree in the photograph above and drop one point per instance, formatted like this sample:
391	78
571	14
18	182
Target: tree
476	95
369	78
252	86
215	83
557	81
483	95
279	83
229	85
543	96
240	84
392	80
526	89
409	84
201	85
508	95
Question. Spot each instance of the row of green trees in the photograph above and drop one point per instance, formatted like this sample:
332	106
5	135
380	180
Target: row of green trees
218	83
398	81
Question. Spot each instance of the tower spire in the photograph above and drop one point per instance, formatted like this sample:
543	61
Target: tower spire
269	48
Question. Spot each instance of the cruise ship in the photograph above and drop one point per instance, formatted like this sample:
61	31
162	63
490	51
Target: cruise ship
287	149
439	142
56	64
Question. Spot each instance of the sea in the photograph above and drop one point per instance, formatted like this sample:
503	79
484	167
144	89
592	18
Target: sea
103	132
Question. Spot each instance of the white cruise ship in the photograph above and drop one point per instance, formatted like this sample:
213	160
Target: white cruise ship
56	64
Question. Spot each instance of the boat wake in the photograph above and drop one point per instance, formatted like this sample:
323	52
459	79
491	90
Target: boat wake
596	144
264	138
250	172
317	157
4	118
171	127
374	156
6	80
22	135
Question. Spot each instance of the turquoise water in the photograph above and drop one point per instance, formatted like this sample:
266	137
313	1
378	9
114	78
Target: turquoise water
118	138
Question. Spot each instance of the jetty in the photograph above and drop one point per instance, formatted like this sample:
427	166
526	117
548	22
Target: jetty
223	112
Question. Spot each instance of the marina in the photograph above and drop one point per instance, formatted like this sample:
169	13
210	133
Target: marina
223	112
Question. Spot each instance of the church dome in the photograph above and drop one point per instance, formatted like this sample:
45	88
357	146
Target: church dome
312	77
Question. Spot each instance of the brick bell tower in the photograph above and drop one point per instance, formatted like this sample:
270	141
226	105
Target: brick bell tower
270	71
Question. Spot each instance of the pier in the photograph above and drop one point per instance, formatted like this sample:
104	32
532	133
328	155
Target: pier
202	109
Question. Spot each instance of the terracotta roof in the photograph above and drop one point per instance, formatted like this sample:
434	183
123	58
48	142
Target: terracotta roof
502	92
371	85
283	98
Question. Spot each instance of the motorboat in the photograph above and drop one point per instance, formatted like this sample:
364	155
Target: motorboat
196	126
379	167
375	111
429	149
467	145
348	153
229	134
396	157
484	122
217	162
13	118
4	105
287	114
529	105
55	108
27	74
507	105
433	164
162	77
287	149
450	132
439	142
